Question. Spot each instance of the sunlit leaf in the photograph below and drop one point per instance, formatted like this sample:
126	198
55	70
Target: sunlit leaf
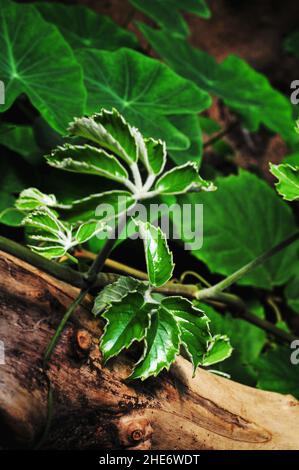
288	180
182	179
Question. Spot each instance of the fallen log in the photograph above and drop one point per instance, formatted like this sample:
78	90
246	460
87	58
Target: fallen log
93	405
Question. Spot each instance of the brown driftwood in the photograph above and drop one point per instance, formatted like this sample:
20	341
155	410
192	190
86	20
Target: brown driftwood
93	405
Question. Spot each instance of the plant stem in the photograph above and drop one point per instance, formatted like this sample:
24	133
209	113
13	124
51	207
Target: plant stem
89	278
233	278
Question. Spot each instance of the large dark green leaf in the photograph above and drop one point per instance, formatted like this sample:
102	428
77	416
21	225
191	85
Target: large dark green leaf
36	60
21	139
82	27
167	13
292	291
276	371
190	126
144	90
243	219
242	88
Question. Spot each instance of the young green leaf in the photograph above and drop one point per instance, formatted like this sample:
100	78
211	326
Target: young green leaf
38	61
127	321
82	27
288	180
110	130
103	207
117	291
88	230
46	229
162	342
195	334
159	259
242	88
143	89
32	198
167	13
87	159
182	179
154	156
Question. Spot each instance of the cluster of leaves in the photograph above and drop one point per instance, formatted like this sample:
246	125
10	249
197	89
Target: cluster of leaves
132	314
71	62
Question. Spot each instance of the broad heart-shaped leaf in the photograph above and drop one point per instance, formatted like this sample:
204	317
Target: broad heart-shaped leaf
32	198
182	179
162	343
21	140
291	43
87	159
167	13
190	126
117	291
110	130
127	321
36	60
103	207
242	88
195	334
51	237
292	292
144	90
288	180
159	260
82	27
277	373
243	219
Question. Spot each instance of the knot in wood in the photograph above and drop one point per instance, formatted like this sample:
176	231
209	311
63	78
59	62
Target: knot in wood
84	340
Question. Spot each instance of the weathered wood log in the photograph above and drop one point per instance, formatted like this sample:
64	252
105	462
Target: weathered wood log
93	405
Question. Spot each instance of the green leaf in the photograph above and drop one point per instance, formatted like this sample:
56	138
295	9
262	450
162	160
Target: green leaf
162	342
116	291
20	139
276	372
32	198
243	219
167	13
190	126
88	230
288	180
195	334
143	89
11	217
101	207
154	156
291	44
292	292
87	159
127	321
110	130
51	237
247	341
36	60
159	259
244	90
182	179
82	27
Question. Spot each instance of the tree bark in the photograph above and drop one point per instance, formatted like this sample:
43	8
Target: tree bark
93	405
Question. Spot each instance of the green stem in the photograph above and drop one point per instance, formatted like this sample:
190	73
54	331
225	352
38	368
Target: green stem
90	278
233	278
